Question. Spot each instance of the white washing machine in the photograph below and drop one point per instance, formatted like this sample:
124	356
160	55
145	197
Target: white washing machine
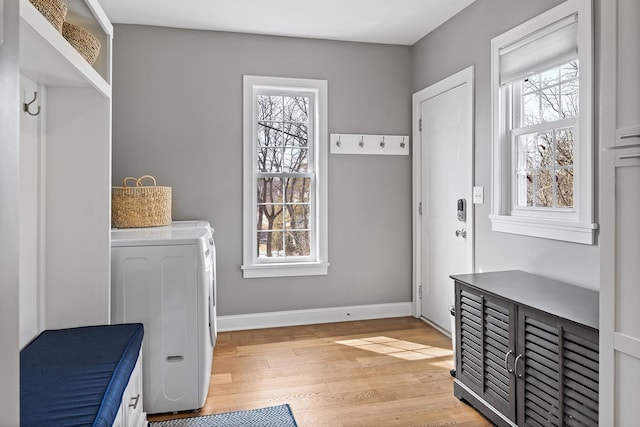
202	224
163	277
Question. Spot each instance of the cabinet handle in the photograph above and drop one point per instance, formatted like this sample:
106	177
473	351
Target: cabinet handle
630	135
506	362
134	401
515	363
629	156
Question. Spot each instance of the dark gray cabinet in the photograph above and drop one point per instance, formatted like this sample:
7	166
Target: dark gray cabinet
527	349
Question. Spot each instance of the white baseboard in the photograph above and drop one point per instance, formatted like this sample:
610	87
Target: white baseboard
313	316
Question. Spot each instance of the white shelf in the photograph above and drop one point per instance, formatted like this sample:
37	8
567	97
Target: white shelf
47	58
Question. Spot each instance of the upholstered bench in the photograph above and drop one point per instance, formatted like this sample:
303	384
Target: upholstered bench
88	376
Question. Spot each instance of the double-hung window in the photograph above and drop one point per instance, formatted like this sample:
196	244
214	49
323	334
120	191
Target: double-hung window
285	164
545	110
542	126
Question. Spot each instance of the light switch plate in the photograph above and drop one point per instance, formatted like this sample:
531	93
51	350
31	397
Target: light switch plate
478	195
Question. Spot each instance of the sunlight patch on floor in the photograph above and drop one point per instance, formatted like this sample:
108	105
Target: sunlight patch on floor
397	348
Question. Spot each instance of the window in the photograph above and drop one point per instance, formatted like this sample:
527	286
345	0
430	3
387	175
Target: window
545	111
542	126
285	164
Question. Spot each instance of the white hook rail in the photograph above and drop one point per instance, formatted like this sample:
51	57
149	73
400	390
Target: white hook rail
342	143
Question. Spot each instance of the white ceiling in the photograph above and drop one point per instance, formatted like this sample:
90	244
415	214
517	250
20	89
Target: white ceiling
402	22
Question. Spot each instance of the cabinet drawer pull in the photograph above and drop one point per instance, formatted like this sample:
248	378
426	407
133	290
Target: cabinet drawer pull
630	135
134	401
629	156
515	363
506	362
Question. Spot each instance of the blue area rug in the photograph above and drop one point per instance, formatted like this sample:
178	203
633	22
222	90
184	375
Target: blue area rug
274	416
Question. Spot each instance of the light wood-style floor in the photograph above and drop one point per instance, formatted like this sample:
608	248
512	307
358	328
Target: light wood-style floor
373	373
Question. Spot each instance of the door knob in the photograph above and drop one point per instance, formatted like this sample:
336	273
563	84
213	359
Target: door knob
461	233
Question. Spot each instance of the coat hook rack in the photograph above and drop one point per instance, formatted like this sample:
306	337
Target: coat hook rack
369	144
27	106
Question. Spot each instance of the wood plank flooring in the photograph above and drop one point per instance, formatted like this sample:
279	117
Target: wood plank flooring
372	373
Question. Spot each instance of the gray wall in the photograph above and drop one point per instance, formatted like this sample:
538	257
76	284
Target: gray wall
177	110
465	40
9	198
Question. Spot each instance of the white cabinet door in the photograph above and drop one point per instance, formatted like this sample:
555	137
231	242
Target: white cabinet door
627	292
619	195
132	399
628	64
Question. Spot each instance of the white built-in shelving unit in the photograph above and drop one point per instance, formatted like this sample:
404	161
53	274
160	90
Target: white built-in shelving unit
65	174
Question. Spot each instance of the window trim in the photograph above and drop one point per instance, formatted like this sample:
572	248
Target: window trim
577	225
252	267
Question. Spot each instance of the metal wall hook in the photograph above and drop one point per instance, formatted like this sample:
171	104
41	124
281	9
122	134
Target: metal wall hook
361	143
26	106
339	143
382	143
402	144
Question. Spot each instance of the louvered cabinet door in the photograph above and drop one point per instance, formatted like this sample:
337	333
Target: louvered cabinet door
486	344
580	376
557	371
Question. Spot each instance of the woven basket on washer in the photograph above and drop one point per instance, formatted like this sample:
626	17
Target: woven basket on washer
54	10
82	40
140	206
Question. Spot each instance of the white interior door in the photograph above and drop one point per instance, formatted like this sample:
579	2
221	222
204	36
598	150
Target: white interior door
444	159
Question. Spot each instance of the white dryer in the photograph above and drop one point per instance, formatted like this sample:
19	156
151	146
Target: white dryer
205	225
163	277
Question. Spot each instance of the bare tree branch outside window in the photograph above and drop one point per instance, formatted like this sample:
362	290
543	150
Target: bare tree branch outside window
284	180
545	156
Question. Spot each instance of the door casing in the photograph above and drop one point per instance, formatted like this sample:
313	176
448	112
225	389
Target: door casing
463	77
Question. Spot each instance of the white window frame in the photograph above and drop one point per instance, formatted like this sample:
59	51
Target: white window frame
317	263
571	225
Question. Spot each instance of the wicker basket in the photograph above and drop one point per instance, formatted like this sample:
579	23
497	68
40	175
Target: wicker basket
54	10
82	40
140	205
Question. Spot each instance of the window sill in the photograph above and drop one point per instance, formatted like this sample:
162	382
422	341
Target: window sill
545	228
284	270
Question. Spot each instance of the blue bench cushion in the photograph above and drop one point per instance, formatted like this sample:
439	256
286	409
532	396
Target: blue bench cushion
76	377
